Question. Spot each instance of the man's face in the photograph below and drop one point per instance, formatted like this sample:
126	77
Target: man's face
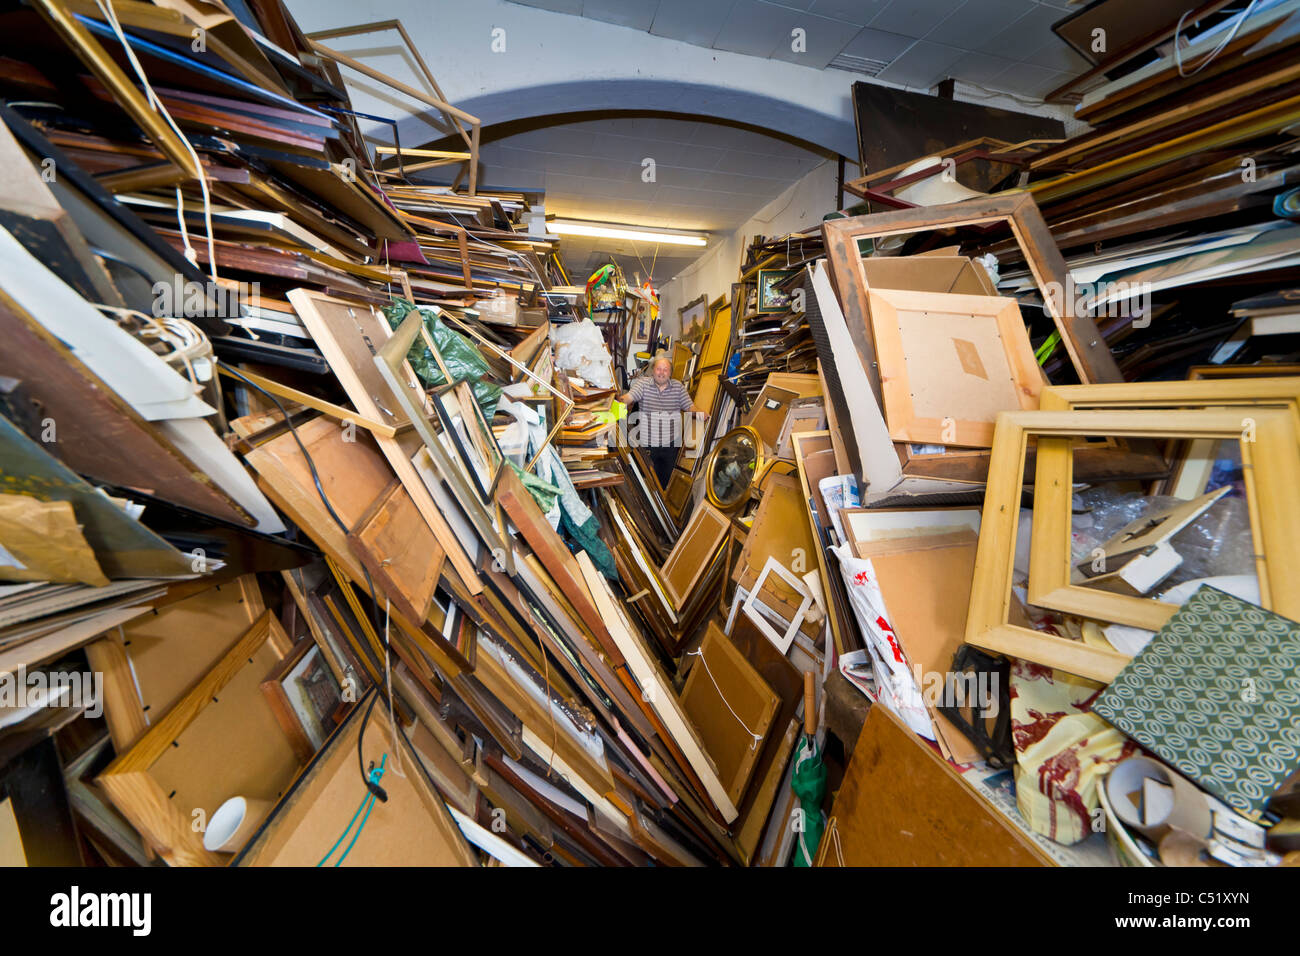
663	371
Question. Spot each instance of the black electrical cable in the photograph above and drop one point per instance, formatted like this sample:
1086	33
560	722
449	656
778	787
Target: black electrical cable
373	787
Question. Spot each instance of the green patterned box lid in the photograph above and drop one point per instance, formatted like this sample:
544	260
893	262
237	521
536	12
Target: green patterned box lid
1216	694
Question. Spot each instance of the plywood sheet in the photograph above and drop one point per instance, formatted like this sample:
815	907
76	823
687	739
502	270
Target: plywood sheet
689	557
900	804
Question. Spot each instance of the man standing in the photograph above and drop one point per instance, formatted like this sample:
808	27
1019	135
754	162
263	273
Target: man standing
660	401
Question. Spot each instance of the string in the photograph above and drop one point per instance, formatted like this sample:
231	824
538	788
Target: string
758	738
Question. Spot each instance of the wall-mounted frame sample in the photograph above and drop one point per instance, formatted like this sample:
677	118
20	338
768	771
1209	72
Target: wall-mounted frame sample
1274	456
220	740
950	363
351	335
412	828
1087	349
731	706
396	545
702	537
471	434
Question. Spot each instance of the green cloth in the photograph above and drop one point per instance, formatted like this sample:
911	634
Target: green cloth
809	785
463	360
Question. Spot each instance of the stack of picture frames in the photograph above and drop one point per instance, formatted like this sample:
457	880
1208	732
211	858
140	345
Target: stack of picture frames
1259	415
929	355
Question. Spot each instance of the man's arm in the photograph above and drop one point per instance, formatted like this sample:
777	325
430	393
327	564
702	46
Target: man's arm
633	393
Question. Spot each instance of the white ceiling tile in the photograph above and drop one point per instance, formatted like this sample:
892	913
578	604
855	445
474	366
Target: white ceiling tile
873	44
1028	80
690	20
976	22
913	18
979	68
755	28
637	14
923	64
823	39
859	12
1024	34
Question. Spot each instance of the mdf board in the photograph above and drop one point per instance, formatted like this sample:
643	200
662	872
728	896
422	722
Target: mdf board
97	434
926	583
412	828
950	363
955	274
901	804
349	335
686	562
220	740
397	546
155	659
732	708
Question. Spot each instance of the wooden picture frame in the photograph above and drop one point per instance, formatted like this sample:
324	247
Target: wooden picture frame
1274	455
685	564
1088	351
690	317
393	367
782	642
306	719
243	751
772	301
729	704
351	335
989	369
471	433
399	550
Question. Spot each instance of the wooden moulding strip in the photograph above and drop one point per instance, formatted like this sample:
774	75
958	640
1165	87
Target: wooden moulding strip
1270	442
1088	351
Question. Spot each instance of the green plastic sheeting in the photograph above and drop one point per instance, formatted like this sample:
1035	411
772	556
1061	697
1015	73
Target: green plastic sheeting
462	358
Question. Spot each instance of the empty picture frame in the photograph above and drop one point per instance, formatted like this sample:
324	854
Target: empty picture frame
471	434
1275	522
220	740
782	641
949	364
1088	351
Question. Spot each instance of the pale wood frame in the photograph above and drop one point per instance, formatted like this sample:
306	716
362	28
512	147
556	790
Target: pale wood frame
1272	476
895	381
1049	585
1088	351
128	780
310	308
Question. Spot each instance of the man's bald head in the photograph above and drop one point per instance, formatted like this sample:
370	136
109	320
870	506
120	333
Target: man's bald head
662	370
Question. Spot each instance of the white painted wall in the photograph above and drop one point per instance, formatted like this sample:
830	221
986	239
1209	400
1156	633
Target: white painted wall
801	205
556	63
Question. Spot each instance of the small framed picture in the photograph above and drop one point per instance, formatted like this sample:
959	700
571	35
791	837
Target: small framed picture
770	298
468	435
305	697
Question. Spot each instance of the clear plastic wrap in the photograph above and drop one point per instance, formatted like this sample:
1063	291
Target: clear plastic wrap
580	349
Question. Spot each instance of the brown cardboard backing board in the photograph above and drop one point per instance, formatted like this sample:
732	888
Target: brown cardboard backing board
949	364
220	740
901	804
769	412
926	581
411	828
731	706
780	531
156	659
950	274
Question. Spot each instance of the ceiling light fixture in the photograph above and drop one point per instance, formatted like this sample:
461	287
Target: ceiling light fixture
568	227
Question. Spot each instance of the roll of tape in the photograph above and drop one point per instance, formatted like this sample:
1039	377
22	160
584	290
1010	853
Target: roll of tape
1188	812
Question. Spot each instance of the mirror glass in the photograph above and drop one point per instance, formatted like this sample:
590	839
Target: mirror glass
733	467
